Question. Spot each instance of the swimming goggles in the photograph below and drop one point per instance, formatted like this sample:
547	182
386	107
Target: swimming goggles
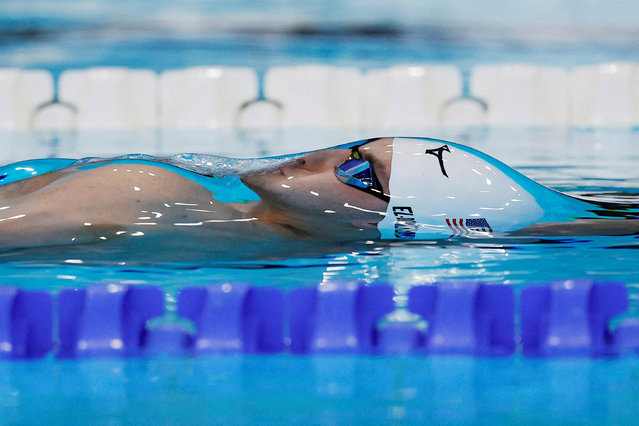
358	173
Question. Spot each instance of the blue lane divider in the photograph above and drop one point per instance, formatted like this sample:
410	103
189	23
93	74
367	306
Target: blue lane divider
25	323
337	317
562	318
625	338
571	317
167	339
466	317
232	318
106	320
399	338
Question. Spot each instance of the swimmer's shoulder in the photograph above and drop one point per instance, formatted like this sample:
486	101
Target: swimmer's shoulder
582	227
146	178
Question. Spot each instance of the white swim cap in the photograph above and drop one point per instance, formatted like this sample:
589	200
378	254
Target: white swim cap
440	190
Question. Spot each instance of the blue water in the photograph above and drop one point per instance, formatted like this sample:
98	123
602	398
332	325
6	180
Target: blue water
342	389
322	391
261	34
357	389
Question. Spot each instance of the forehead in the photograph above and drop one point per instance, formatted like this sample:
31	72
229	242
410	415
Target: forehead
364	143
379	149
379	153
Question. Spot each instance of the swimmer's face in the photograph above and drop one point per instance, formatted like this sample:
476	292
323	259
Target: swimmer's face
306	198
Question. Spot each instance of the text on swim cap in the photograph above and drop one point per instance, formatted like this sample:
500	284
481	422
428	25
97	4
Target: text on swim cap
405	224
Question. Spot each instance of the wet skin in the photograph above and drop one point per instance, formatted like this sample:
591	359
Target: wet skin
132	210
305	197
154	207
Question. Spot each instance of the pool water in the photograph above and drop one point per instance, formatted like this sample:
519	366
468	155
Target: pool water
355	389
320	390
571	161
327	389
261	34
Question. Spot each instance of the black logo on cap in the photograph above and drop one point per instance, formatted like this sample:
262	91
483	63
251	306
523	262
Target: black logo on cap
439	153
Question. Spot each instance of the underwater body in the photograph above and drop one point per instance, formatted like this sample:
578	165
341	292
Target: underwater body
229	209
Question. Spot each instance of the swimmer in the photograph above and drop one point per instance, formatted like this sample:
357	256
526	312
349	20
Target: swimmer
388	188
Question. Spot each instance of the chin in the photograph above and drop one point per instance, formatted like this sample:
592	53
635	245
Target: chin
340	233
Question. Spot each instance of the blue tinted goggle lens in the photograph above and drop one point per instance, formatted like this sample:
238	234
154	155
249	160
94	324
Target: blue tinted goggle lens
359	174
355	173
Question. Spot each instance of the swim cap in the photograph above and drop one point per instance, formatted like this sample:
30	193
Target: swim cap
440	189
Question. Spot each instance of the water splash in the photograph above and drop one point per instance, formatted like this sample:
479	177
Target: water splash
206	164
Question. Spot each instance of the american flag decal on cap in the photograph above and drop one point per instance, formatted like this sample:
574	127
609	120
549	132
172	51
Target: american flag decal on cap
461	227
